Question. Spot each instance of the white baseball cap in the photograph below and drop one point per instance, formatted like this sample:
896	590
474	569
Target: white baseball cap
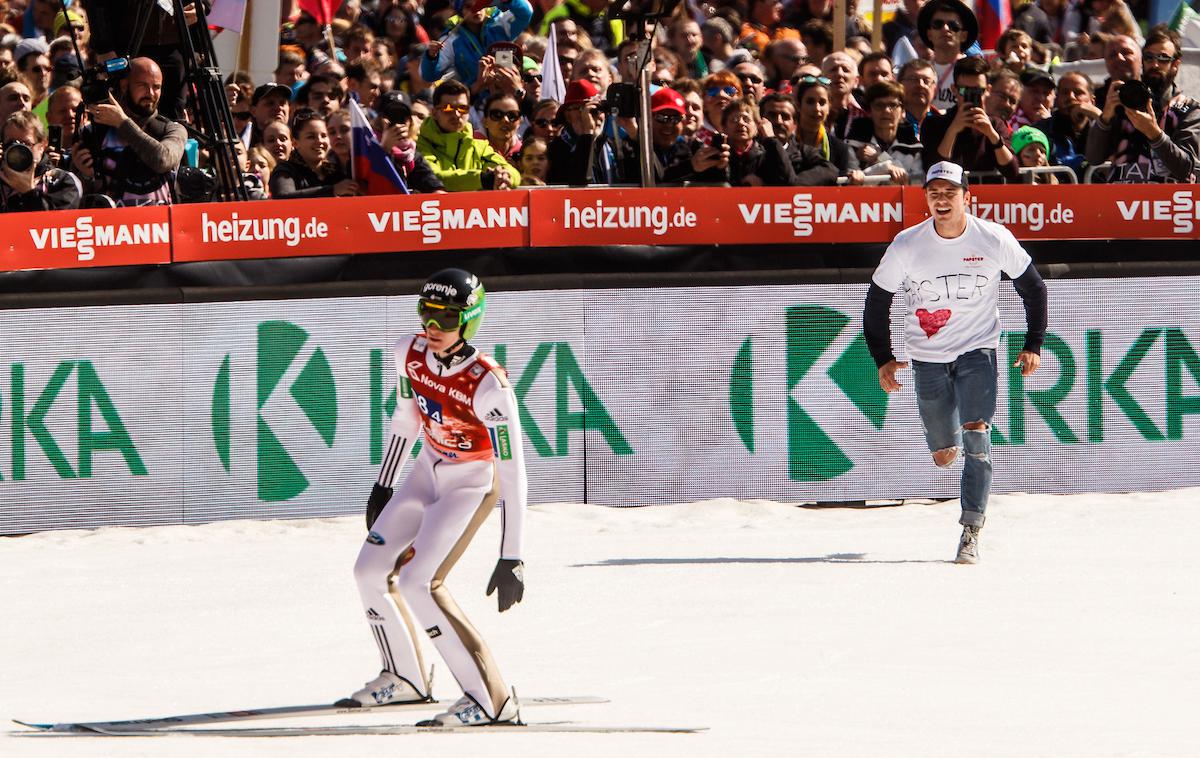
951	172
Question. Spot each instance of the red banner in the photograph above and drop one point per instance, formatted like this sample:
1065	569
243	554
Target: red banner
715	216
74	239
344	225
1080	211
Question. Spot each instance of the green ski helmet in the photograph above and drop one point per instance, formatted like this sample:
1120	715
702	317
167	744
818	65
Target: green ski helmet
453	298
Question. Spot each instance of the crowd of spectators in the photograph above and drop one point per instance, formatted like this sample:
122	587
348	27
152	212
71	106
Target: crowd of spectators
458	93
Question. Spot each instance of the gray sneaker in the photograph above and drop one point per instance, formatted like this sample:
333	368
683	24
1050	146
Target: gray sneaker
968	545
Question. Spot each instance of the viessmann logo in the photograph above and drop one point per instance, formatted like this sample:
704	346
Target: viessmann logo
803	214
432	220
812	455
1182	210
85	237
279	346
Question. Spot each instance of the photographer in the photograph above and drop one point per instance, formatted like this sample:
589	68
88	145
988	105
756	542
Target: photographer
469	41
583	153
965	134
129	151
30	183
1148	129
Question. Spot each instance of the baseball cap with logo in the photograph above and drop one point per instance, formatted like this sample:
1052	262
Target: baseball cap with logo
667	99
947	171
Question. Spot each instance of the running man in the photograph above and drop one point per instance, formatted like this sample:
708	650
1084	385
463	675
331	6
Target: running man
471	459
950	267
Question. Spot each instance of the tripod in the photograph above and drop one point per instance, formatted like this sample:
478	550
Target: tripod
206	94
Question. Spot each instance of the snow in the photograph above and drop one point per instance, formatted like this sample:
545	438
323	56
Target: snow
816	632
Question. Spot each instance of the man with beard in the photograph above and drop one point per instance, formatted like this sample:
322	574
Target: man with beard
779	110
1004	95
129	151
1157	142
1068	127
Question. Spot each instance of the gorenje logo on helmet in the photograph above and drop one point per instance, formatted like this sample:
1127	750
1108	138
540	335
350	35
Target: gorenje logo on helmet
812	455
313	390
449	290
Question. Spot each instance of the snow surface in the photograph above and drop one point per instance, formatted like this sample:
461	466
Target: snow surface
785	630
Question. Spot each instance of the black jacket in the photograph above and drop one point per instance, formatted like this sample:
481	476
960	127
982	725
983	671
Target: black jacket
971	150
55	190
587	159
293	179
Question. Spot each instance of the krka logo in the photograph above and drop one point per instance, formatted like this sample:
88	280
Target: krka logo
812	455
279	347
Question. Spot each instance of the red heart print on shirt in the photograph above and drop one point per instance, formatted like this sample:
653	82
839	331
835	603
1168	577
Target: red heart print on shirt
932	323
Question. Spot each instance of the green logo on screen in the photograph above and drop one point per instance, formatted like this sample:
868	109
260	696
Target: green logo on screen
812	455
313	391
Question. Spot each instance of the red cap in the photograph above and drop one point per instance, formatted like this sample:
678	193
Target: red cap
580	91
667	99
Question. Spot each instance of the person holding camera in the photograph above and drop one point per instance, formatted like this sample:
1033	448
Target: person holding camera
583	153
29	181
129	151
461	50
456	157
965	134
1149	129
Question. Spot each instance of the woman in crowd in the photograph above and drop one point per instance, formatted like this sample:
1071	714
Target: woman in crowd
719	90
812	97
277	139
339	140
501	117
533	162
543	121
309	172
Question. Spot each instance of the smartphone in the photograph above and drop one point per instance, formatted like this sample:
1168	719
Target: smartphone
972	96
718	141
504	58
54	136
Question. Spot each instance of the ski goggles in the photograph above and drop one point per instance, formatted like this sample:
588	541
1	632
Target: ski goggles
444	317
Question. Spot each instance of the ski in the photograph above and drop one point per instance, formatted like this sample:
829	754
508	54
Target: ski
290	711
394	729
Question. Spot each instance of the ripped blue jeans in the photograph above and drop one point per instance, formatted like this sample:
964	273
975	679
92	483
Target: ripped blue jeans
950	395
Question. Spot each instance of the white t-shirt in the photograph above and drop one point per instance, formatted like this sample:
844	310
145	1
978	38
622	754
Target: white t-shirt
943	94
952	286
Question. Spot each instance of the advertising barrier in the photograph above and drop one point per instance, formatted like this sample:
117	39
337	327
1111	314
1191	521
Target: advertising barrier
344	225
189	413
77	239
583	217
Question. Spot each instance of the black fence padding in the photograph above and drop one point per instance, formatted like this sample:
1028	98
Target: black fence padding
544	268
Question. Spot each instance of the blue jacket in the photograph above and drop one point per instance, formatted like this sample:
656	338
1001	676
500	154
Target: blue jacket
463	48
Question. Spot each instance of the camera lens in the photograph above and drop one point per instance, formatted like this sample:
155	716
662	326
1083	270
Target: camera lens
18	157
1134	94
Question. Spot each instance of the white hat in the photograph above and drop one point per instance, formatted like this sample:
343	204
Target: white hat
951	172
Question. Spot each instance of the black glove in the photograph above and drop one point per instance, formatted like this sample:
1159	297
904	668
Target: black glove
509	578
380	496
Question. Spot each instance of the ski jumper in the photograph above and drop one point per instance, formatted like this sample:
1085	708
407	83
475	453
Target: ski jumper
470	460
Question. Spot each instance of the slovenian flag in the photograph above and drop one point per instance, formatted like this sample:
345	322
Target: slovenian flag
994	17
369	162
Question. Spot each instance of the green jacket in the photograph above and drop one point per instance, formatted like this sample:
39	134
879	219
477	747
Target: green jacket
458	159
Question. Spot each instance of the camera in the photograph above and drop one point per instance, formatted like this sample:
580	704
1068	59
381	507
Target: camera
623	98
1134	95
972	96
18	156
101	79
718	141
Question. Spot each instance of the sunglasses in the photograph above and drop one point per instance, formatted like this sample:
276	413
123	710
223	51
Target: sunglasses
668	118
1148	57
661	82
810	79
728	89
462	110
544	123
942	23
592	110
495	114
752	78
443	317
532	77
